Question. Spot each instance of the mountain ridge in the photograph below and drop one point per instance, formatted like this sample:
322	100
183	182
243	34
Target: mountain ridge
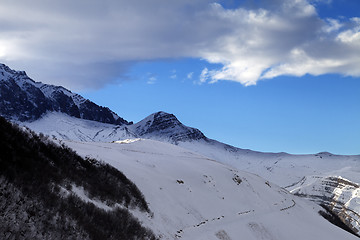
24	99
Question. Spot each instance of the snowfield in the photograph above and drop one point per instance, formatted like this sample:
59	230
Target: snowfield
194	197
281	168
63	126
292	172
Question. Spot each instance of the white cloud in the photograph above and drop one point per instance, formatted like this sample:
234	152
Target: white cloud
351	36
88	43
291	40
151	80
204	76
332	25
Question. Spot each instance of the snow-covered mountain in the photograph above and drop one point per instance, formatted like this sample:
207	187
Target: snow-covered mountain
283	169
194	197
159	126
23	99
181	194
62	126
37	106
166	127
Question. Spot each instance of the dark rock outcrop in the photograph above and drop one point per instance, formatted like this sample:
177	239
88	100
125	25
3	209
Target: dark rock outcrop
23	99
162	125
337	195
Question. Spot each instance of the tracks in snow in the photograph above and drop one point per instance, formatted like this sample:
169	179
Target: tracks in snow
179	233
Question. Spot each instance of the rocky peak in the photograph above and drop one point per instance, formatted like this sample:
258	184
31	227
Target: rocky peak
23	99
162	125
163	120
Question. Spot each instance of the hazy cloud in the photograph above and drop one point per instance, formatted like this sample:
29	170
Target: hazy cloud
90	43
151	80
173	75
190	75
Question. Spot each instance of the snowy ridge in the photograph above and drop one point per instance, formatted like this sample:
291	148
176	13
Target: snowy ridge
341	195
166	127
48	91
7	73
281	168
23	80
194	197
70	128
23	99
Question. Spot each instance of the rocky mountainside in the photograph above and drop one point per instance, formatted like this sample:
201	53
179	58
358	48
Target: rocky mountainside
23	99
165	126
337	194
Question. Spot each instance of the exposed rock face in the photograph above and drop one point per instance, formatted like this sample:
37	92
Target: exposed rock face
163	125
337	194
23	99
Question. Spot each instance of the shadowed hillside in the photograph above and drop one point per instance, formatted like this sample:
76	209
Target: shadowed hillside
49	192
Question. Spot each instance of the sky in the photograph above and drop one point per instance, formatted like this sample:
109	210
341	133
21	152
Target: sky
271	75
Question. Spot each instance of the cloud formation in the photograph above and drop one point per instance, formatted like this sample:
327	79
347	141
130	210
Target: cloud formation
89	43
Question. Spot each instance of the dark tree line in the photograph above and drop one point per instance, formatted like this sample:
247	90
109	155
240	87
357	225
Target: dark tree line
39	168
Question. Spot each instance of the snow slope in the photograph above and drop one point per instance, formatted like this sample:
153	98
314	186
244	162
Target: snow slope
297	173
283	169
341	195
194	197
63	126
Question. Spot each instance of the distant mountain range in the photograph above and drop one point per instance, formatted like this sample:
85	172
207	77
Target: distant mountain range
327	179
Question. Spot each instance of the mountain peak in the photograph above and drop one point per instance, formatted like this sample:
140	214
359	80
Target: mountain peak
161	113
23	99
6	73
159	116
162	125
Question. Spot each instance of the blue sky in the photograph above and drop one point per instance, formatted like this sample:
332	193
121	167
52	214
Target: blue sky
292	114
269	75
